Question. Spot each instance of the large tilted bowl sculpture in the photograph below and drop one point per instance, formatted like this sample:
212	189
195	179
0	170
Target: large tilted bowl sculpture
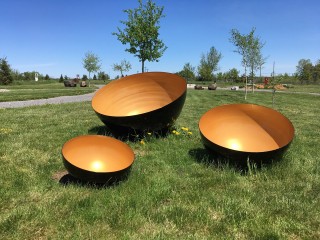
145	101
239	131
96	158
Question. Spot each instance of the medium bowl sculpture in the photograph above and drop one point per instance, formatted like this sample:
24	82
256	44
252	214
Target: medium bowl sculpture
242	131
145	101
96	158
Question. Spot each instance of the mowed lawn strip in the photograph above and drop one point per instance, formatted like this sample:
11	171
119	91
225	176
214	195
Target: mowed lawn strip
33	91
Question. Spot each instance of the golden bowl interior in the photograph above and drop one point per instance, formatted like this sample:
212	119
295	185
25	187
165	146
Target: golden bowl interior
97	153
246	128
139	93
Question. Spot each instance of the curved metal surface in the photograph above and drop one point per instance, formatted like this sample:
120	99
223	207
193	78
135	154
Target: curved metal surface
242	130
151	100
96	158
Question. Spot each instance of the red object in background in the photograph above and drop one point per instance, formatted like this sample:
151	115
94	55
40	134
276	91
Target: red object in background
266	81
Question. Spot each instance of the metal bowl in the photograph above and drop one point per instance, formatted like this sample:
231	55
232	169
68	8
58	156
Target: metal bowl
242	131
145	101
96	158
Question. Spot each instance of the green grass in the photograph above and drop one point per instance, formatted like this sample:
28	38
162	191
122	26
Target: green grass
40	90
173	192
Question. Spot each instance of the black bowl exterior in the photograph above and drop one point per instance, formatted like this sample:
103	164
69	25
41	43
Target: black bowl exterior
241	157
95	177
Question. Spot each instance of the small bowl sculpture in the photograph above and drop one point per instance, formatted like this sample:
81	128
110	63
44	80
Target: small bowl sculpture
96	158
242	131
145	101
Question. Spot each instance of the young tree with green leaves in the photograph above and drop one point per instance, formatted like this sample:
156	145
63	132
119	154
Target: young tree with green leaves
208	64
122	67
141	32
91	63
273	82
5	72
249	47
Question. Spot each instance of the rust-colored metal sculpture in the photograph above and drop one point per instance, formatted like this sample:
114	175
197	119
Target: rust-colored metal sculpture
239	131
145	101
96	158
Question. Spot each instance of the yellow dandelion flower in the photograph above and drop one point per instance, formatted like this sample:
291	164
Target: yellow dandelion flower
190	133
177	133
185	129
174	131
142	142
6	130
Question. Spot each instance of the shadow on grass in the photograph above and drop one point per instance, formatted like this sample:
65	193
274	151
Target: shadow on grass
213	159
128	134
67	179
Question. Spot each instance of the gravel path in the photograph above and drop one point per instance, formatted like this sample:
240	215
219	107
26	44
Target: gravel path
77	98
55	100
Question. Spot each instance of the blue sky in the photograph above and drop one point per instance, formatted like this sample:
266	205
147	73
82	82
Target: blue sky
52	36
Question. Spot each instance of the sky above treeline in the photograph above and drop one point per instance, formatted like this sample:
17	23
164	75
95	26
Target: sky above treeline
52	37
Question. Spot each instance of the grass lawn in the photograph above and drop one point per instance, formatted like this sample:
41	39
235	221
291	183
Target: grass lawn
173	191
29	91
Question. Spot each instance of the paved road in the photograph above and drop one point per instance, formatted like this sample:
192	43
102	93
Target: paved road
55	100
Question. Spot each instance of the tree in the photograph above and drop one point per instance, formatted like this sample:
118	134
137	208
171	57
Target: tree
249	47
233	75
61	78
316	72
208	64
261	61
5	72
219	76
94	77
91	63
141	32
84	77
124	66
188	72
47	77
273	82
103	76
304	71
16	75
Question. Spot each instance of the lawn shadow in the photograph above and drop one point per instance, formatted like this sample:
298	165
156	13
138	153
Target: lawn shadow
128	134
214	159
67	179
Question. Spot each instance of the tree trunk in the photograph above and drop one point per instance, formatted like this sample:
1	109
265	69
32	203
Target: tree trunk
252	81
142	70
273	95
245	73
89	79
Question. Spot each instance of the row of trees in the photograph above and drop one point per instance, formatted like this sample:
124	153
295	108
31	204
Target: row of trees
8	75
307	73
92	63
